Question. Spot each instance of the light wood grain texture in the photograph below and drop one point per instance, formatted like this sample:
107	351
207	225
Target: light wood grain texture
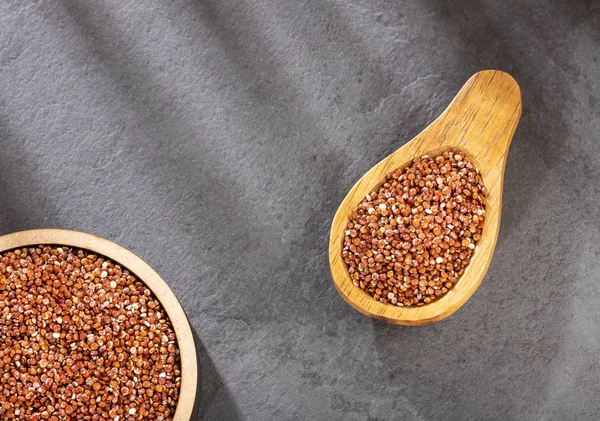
185	340
480	121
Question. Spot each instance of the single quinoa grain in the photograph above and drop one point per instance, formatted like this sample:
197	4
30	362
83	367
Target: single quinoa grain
82	339
409	242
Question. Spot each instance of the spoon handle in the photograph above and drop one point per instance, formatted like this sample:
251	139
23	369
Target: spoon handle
483	116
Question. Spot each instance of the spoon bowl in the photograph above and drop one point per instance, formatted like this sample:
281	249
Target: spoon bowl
480	121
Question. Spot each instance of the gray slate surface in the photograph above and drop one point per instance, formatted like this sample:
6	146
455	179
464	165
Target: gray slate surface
216	138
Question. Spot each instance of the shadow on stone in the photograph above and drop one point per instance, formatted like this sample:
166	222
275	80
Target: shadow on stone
213	400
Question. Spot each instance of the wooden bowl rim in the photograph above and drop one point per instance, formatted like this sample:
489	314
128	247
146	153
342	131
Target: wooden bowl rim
146	275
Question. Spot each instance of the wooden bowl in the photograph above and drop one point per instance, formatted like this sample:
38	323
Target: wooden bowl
480	121
128	260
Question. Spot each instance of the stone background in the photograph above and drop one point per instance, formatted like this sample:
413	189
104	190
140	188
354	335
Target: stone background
216	138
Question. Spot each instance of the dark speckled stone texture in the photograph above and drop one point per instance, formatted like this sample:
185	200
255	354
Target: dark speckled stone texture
216	138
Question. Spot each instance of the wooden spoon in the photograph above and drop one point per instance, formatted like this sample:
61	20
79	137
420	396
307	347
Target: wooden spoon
480	121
